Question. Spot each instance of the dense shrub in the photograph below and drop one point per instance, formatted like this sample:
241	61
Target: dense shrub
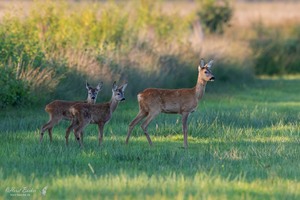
275	53
215	14
17	53
13	91
18	50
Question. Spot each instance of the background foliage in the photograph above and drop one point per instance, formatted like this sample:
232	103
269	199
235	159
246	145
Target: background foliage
276	53
214	15
54	47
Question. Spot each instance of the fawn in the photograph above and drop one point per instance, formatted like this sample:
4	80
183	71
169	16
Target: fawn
59	110
153	101
84	114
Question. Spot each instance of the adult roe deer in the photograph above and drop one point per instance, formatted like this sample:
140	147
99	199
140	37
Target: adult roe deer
84	114
153	101
59	109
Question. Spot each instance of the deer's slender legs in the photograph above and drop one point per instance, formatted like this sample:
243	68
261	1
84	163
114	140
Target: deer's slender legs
71	127
145	124
141	115
48	126
100	136
50	133
81	136
185	128
79	129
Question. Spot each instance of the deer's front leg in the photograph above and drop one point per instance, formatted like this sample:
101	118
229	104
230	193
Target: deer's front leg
71	127
50	134
100	136
185	128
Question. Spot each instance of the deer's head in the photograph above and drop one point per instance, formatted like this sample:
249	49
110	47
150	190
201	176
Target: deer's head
205	70
93	92
118	91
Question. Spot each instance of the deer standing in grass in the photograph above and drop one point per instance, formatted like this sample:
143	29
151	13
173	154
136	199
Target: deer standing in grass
153	101
100	114
59	110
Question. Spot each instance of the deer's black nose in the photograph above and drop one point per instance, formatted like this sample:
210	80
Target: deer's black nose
123	99
212	78
93	97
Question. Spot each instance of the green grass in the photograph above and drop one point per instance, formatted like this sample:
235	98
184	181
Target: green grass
243	144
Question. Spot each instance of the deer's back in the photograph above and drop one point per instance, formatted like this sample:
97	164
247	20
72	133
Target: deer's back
93	112
60	108
60	105
168	100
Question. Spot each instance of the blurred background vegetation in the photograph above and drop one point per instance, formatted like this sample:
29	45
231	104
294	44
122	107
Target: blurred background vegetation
49	48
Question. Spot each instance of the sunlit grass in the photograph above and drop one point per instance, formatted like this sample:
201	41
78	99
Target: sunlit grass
171	186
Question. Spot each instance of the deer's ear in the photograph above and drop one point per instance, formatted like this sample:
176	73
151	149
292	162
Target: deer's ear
123	87
114	86
99	86
201	64
87	85
210	63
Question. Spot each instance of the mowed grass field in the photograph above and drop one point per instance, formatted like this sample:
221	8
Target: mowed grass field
244	143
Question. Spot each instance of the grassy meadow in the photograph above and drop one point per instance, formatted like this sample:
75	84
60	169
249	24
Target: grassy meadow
243	144
244	137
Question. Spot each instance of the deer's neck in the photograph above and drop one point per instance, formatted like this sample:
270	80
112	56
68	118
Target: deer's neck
89	100
200	88
113	104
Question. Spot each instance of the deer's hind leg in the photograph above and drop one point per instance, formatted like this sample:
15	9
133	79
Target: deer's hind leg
145	124
100	136
185	128
141	115
48	126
